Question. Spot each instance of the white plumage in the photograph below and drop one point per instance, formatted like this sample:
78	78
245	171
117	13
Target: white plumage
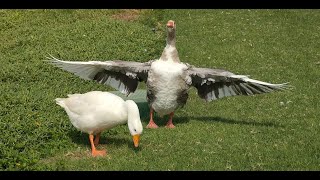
96	111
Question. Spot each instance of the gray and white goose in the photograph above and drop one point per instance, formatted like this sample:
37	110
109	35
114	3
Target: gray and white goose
167	79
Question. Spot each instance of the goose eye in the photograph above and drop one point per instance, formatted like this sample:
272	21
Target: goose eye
135	130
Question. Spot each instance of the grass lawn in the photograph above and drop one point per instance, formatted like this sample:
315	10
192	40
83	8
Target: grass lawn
276	131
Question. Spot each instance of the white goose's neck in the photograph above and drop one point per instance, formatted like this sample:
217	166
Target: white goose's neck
134	122
133	111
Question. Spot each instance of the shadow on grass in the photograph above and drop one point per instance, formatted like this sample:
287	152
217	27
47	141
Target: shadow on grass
162	121
185	119
79	137
83	138
115	141
228	121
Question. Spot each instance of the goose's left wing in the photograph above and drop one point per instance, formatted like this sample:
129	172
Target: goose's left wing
213	84
121	75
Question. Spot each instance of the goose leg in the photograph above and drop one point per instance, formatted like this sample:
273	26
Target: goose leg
151	124
96	139
94	151
169	123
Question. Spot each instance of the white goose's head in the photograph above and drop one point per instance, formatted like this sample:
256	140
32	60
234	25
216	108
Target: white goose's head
134	122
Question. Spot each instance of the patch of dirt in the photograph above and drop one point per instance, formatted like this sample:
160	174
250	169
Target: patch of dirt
75	155
127	14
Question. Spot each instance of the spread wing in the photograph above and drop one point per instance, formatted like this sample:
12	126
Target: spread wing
121	75
213	84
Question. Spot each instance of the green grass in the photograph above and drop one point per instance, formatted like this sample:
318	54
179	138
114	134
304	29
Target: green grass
234	133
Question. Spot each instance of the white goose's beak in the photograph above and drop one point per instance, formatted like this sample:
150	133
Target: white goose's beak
136	139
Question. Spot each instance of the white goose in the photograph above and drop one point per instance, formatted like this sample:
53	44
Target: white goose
168	80
96	111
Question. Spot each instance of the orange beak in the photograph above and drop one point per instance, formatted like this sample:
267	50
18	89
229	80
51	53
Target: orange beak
170	24
136	139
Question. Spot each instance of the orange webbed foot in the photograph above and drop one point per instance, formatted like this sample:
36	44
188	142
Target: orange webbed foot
99	153
152	125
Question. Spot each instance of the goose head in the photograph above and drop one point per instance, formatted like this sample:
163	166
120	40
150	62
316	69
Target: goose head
171	26
134	122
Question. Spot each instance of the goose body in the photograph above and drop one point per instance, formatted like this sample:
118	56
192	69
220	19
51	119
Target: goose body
166	84
168	80
96	111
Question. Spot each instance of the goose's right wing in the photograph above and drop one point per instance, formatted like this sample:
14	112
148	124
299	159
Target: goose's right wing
121	75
